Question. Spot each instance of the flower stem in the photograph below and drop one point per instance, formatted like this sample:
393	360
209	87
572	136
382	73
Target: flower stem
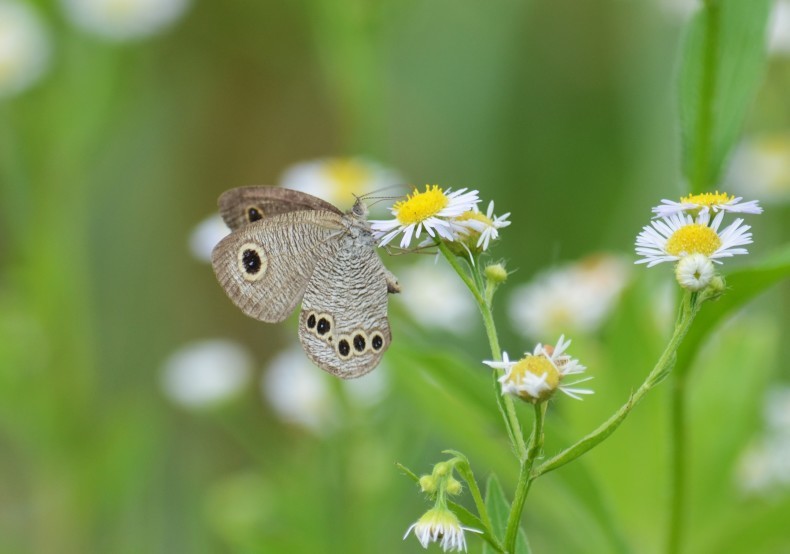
505	403
689	308
525	478
677	464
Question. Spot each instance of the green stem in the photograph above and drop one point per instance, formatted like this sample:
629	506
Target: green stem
505	403
677	464
701	178
689	308
525	479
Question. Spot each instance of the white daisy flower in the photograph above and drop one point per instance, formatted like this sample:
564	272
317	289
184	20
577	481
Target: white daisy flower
440	525
124	19
694	272
337	180
431	210
24	48
206	235
577	296
761	167
535	377
707	201
671	238
206	373
480	229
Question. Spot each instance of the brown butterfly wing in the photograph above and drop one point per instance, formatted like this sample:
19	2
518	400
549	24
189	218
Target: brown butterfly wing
343	325
265	266
244	205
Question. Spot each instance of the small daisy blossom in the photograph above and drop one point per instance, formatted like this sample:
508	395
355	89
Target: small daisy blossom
431	210
440	525
708	201
694	272
483	227
536	376
671	238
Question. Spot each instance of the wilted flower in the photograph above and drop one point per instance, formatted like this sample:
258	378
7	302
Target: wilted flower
476	230
535	377
124	19
337	180
671	238
206	235
24	47
437	298
206	373
576	296
706	202
761	167
440	525
431	210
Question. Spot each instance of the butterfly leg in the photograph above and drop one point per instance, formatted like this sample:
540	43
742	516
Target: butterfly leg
393	287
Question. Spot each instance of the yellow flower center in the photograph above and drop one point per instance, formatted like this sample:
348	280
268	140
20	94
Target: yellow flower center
419	206
537	366
348	176
477	216
708	198
694	238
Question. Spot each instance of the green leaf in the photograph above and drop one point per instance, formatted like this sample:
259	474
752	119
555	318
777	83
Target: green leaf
522	544
496	504
743	285
722	63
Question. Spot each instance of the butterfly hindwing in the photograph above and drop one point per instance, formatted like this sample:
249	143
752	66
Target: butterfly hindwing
343	325
244	205
265	266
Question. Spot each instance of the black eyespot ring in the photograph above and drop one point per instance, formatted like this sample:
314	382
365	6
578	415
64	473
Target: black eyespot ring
377	342
311	321
323	326
251	261
253	214
343	347
359	343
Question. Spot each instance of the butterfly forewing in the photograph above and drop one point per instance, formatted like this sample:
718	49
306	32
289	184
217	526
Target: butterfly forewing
244	205
343	324
265	266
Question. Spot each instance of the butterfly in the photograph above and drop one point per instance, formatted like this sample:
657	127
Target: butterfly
287	246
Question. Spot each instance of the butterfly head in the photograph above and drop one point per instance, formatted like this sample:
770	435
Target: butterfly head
360	209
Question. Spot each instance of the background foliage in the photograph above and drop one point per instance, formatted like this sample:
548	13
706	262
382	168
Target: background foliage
564	112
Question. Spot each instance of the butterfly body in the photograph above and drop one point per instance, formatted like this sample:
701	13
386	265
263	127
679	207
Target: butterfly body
286	247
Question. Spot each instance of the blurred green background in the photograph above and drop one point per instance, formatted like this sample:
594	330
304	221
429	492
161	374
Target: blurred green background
563	112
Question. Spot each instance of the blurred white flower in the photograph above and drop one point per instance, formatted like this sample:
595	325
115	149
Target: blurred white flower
777	410
779	33
24	47
370	389
299	392
765	465
337	180
206	235
124	19
436	296
761	167
575	297
206	373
